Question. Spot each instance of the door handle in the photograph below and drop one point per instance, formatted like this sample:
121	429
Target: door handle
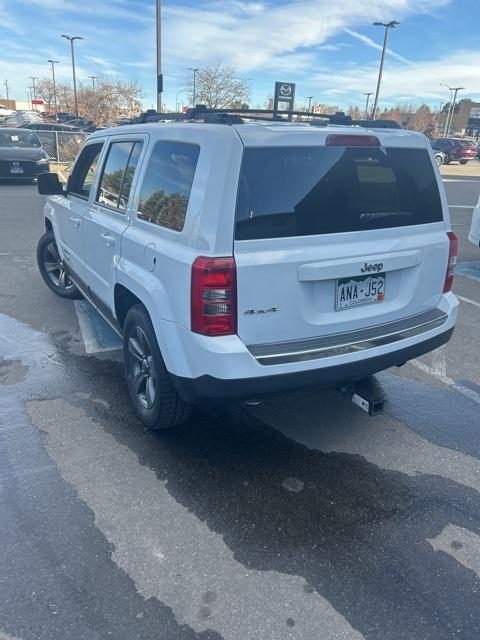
108	240
76	221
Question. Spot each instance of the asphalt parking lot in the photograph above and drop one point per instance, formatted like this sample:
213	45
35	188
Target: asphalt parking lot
300	518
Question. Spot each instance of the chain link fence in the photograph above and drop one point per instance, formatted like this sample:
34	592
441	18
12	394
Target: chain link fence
61	146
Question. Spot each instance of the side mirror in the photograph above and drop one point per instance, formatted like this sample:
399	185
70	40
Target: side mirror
49	184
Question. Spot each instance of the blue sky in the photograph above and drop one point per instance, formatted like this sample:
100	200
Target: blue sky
330	49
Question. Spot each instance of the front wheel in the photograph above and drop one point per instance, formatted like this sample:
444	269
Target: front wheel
52	270
463	161
439	160
155	400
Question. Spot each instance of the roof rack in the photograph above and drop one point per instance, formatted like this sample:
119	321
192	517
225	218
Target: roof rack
200	113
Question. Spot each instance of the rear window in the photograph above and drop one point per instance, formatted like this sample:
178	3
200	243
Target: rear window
299	191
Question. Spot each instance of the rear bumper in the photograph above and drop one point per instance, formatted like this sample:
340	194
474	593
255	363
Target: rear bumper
208	387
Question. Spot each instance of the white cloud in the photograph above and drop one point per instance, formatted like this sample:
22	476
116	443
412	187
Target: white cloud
374	45
414	83
252	40
7	22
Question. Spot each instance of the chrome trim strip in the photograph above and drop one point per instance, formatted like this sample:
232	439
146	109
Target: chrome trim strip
348	342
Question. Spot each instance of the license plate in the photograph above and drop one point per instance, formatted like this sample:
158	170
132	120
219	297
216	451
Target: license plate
16	169
355	291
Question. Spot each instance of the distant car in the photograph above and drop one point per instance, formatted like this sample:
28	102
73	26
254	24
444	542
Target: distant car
49	126
455	149
474	233
4	112
21	155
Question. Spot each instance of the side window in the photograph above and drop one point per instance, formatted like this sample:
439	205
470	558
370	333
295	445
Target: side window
117	175
167	184
81	179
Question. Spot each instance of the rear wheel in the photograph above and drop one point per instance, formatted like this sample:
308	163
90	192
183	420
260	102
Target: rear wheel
463	161
439	159
52	270
155	400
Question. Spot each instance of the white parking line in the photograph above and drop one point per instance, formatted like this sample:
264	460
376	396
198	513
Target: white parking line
463	299
439	372
459	180
461	206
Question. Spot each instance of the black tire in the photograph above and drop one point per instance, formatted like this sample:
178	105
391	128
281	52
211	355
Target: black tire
463	161
439	160
52	270
155	400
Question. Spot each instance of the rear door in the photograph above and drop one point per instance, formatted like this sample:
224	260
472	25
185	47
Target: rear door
336	237
107	217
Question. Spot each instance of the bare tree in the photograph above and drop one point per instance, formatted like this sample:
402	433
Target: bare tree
218	87
109	102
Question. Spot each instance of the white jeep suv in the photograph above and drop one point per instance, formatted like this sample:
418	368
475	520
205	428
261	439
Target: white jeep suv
244	259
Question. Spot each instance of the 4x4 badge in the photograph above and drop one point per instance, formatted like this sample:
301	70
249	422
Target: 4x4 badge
254	312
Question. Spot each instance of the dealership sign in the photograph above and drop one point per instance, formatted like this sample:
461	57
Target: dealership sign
284	99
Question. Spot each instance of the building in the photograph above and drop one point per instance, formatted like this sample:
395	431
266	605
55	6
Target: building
465	120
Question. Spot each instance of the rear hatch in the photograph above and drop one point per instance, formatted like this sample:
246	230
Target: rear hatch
340	235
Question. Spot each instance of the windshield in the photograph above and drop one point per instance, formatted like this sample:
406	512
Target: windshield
298	191
19	139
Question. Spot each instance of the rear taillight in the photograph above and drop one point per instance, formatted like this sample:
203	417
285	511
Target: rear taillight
214	296
349	140
452	261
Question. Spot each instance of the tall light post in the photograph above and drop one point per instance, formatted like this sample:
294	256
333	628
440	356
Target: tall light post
309	98
34	91
71	40
366	103
452	113
176	98
442	84
194	96
6	87
388	25
53	63
159	57
93	78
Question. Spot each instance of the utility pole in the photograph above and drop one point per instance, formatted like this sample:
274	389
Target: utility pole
93	78
53	63
72	39
34	91
6	88
309	98
388	25
366	104
159	57
194	96
442	84
455	91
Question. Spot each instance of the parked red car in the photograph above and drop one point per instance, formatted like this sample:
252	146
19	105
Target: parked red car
455	149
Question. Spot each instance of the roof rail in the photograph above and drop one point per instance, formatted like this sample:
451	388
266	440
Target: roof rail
238	116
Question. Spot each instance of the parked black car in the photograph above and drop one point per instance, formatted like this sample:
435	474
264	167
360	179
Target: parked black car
21	155
455	149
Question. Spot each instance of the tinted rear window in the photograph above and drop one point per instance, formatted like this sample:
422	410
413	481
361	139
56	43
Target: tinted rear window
299	191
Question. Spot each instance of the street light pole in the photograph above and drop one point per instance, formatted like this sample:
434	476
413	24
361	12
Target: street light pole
34	91
388	25
159	57
6	87
366	104
309	98
93	78
72	39
455	91
53	63
194	96
442	84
